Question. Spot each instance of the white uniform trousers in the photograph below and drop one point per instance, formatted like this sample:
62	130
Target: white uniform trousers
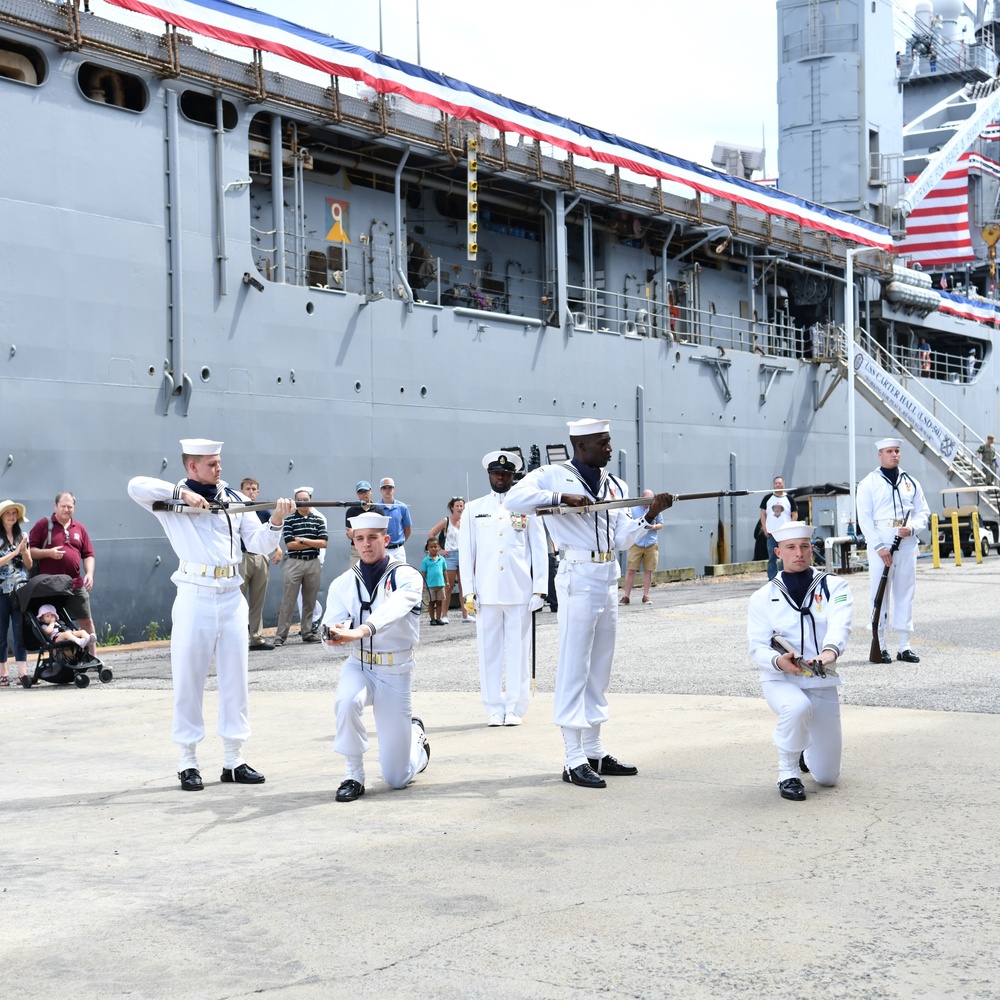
899	591
209	622
401	755
808	720
588	622
504	635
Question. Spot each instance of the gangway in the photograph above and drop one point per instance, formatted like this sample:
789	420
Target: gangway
948	441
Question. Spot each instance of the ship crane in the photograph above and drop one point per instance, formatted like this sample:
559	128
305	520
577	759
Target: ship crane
957	120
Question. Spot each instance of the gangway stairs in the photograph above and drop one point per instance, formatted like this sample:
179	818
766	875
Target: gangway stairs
952	449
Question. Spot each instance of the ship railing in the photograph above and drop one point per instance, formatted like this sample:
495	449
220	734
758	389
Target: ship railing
940	365
967	439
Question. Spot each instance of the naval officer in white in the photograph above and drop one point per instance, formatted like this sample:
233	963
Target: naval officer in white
210	613
811	611
503	559
885	497
587	587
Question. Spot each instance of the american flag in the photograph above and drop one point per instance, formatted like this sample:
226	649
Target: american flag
937	230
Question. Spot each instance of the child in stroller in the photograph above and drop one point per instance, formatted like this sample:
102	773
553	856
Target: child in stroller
49	618
65	653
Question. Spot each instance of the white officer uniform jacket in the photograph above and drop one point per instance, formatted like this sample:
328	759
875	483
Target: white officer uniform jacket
882	506
822	622
580	535
394	613
204	542
502	556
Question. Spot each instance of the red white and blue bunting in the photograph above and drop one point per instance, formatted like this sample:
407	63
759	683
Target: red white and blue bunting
242	26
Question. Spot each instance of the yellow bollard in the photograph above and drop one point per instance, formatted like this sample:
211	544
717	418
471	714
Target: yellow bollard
975	537
955	539
935	545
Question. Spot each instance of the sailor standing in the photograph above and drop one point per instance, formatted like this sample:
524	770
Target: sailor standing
374	610
587	586
210	614
503	559
811	611
885	497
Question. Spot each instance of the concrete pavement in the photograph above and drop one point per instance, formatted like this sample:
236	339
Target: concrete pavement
490	877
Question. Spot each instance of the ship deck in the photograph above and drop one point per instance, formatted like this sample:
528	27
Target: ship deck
489	876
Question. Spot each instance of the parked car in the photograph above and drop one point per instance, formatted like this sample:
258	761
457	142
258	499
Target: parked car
963	501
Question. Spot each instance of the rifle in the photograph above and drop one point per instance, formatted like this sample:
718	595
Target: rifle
589	508
807	667
237	506
875	653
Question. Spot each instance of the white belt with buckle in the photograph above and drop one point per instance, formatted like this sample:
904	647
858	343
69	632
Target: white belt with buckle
585	555
200	569
386	659
894	523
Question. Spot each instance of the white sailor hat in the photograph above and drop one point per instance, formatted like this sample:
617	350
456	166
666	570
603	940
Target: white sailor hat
888	443
200	446
501	461
581	428
792	530
369	521
303	489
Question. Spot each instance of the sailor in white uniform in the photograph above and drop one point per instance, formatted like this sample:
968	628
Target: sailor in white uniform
811	611
210	613
374	611
587	587
885	497
504	564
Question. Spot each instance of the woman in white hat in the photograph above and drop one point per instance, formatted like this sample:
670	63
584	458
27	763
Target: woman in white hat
15	561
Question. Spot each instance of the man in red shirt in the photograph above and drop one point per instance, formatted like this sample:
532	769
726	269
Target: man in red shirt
61	545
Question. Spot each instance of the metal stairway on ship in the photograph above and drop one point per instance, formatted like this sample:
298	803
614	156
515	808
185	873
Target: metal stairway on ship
957	457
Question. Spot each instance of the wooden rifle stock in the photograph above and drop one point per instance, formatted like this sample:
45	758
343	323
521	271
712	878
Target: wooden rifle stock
875	653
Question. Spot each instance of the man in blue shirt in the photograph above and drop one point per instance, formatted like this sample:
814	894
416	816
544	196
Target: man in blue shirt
644	554
399	520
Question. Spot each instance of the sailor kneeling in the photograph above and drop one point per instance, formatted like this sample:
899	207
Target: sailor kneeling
382	596
798	624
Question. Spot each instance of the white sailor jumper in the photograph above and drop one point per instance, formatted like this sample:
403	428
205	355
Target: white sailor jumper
587	588
210	614
368	677
808	708
880	510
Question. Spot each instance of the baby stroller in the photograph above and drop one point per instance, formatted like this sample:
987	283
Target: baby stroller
58	662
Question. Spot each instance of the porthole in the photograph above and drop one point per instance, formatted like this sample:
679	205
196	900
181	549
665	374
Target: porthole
201	109
206	373
310	308
357	387
21	63
113	87
423	392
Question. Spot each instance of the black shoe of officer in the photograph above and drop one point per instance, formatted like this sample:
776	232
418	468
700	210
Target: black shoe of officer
791	788
908	656
886	658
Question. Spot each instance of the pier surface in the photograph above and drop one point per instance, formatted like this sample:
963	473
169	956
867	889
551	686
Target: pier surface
489	876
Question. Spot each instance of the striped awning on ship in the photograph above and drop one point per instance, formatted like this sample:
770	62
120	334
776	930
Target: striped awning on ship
229	22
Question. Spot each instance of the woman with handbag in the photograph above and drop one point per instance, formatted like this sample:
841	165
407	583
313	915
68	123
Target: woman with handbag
15	561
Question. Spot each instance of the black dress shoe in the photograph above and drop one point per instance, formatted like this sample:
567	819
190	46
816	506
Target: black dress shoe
886	658
908	656
261	645
791	788
609	765
190	780
244	774
414	721
350	790
585	776
802	763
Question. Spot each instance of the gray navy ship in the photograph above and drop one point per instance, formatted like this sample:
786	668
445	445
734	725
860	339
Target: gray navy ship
387	272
